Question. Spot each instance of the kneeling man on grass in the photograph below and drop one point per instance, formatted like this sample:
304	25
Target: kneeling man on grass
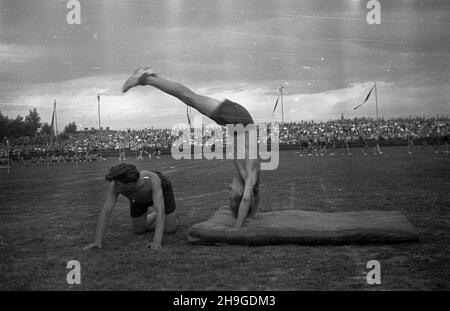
144	189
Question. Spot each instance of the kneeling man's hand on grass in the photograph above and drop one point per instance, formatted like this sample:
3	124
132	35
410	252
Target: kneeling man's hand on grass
154	246
92	246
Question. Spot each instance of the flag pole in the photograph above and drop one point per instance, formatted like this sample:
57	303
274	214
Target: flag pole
376	98
7	150
52	126
282	107
53	131
189	117
47	156
76	155
98	105
56	122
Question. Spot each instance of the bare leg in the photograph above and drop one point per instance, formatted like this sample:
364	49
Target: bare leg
150	225
378	149
146	76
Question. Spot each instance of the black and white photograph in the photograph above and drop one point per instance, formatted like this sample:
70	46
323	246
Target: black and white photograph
204	147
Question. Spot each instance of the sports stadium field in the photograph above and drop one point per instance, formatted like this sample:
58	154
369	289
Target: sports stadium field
48	214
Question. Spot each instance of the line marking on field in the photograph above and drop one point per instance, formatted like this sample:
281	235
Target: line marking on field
194	210
325	192
185	167
83	180
292	202
201	195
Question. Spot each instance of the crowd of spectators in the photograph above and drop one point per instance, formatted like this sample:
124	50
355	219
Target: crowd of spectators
96	145
356	129
347	133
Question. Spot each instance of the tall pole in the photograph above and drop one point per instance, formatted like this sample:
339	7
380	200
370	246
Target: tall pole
53	125
98	105
47	156
56	121
7	150
282	107
376	98
191	130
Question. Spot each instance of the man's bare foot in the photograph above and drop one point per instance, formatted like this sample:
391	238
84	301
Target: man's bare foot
137	78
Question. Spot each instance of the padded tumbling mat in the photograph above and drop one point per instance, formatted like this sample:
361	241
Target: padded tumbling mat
308	228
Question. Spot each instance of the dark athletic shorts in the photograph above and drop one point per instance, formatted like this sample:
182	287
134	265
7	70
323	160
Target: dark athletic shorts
231	113
139	209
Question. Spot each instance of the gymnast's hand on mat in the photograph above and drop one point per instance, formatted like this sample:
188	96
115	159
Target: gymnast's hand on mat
92	246
154	246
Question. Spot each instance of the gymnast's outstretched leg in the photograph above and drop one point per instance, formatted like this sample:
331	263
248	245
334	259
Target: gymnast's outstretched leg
146	76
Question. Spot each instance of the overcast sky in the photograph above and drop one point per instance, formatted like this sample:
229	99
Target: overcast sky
324	52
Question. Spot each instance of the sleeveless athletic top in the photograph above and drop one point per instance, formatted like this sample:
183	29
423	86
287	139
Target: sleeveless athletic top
144	200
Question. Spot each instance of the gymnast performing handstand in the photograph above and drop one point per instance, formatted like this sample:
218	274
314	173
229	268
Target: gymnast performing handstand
244	190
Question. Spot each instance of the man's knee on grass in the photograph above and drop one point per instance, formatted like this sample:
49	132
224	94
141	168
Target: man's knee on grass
139	225
171	223
171	229
170	226
139	231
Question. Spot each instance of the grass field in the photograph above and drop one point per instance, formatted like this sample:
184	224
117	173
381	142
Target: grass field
48	214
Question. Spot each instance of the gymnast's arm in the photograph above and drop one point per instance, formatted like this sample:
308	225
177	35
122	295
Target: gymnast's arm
158	203
250	175
255	202
111	199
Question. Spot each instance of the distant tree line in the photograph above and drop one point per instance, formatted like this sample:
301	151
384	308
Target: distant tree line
30	127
